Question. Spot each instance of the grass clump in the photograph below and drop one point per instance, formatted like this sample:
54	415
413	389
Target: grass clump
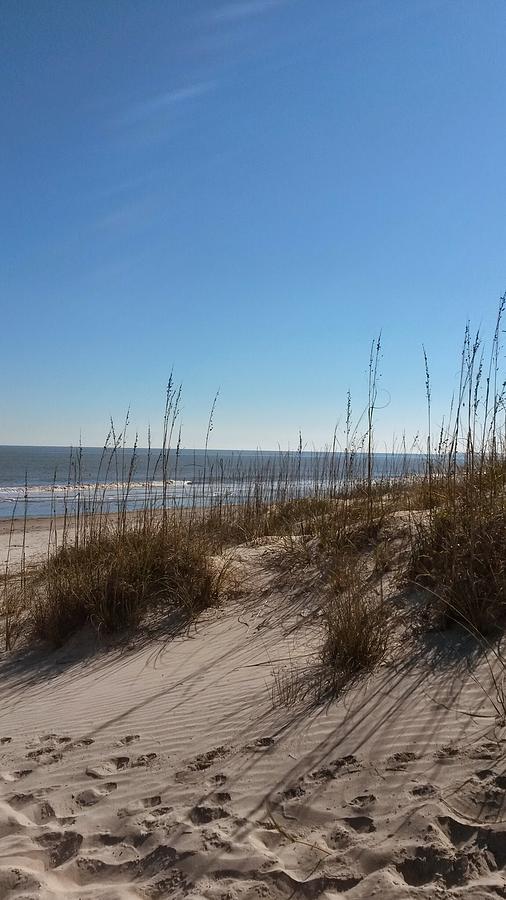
357	634
459	555
459	548
113	577
358	625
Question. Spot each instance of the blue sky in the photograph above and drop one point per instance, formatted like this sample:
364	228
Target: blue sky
246	192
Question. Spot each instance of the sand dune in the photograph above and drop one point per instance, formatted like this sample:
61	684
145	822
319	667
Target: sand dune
164	769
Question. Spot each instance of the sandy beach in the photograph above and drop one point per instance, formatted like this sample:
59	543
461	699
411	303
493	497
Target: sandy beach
166	767
253	450
33	535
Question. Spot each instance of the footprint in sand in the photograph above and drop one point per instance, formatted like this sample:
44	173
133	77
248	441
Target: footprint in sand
12	821
361	824
20	800
200	763
481	797
492	777
60	846
90	796
219	779
54	758
110	767
363	801
293	792
46	744
449	751
45	751
15	776
158	815
34	754
212	841
339	838
145	759
202	815
261	744
44	757
129	739
56	738
160	811
459	833
205	760
82	742
44	812
13	881
117	763
398	761
434	863
345	765
138	806
423	790
110	840
161	859
482	844
485	750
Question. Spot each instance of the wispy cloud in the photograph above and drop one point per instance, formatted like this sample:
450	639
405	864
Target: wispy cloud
160	103
243	9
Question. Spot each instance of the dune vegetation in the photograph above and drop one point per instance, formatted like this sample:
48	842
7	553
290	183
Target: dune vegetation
431	522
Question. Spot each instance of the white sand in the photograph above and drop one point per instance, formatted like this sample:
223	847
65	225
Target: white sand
165	770
33	543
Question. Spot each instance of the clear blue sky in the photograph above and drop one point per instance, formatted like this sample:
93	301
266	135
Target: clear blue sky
246	192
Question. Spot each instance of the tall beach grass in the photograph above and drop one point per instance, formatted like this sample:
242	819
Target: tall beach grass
109	566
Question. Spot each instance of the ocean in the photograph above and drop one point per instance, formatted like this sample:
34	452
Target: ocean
44	481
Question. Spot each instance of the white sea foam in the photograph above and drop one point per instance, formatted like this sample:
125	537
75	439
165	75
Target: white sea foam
112	489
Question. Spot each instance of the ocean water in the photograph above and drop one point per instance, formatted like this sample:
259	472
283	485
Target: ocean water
41	481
